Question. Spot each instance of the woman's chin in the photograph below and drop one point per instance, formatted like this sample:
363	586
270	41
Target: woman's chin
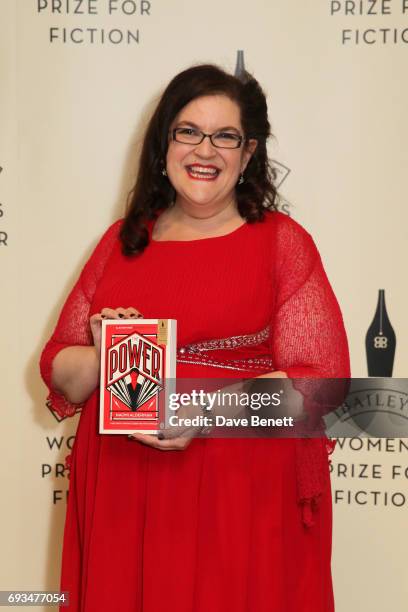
203	199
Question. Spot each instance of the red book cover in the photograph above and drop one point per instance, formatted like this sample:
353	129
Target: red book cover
138	363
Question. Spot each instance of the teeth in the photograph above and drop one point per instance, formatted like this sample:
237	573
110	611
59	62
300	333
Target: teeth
202	170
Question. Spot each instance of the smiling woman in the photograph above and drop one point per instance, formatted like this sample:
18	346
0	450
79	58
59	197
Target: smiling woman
247	520
206	103
205	156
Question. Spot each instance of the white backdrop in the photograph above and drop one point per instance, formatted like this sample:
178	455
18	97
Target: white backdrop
71	118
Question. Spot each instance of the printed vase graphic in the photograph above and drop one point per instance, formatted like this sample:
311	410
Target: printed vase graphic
380	341
240	65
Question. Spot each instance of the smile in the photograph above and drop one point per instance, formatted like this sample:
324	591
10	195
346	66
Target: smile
202	173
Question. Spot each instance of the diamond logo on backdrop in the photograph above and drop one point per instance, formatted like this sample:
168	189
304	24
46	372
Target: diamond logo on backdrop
282	172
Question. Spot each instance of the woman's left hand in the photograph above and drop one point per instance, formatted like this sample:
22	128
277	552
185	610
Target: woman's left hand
178	443
276	374
174	437
179	438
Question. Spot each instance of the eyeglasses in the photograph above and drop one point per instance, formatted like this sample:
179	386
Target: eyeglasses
221	140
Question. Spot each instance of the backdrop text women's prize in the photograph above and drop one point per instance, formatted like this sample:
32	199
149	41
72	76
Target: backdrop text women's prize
137	358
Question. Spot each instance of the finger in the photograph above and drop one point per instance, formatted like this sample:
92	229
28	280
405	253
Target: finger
109	313
173	444
176	432
121	312
132	313
148	439
95	318
95	323
276	374
154	442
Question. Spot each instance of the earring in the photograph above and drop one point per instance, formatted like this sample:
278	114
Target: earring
164	172
241	179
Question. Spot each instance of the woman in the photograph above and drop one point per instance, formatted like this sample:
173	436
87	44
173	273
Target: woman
242	524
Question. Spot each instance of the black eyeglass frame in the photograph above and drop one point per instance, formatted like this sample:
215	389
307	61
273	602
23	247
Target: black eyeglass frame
240	139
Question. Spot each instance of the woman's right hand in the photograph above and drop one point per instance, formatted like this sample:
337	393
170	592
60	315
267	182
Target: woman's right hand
95	321
75	369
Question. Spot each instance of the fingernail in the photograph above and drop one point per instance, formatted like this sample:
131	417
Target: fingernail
130	437
103	316
160	436
121	315
132	315
139	316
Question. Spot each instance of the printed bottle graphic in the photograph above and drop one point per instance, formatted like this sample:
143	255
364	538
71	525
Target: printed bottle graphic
240	66
281	170
380	341
134	383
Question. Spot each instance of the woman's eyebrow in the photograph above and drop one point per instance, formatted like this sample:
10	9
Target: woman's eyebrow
189	123
228	127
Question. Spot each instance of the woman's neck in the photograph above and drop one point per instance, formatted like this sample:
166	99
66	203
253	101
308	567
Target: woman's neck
183	223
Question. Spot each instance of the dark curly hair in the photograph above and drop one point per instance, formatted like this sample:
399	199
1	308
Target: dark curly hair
153	191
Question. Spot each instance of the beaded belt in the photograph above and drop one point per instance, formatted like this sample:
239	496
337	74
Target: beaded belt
197	353
311	453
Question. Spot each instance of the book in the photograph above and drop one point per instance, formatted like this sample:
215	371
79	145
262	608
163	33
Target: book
138	368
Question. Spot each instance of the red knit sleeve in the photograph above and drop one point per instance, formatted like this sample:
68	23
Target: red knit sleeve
73	327
309	338
308	342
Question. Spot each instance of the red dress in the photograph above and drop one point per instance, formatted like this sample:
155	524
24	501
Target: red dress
226	524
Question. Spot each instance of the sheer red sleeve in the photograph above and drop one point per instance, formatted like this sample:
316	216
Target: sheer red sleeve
73	327
309	339
309	342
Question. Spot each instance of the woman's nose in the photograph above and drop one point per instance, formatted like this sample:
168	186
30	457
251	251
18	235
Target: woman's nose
206	148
